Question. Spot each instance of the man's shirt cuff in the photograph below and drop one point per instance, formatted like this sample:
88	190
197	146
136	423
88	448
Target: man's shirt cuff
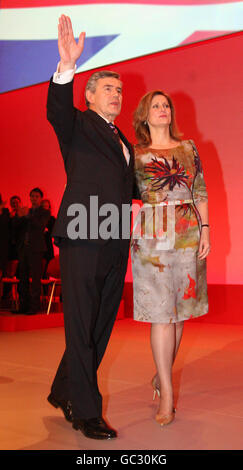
64	77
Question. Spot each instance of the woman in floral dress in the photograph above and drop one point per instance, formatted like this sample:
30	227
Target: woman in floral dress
170	238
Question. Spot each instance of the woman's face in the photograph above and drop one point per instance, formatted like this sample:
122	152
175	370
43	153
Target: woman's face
159	112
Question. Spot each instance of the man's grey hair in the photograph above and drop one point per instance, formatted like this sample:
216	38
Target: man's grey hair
92	81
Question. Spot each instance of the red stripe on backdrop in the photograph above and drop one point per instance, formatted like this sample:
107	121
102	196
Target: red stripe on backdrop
50	3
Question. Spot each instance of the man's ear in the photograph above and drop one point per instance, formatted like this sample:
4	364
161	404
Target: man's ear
90	96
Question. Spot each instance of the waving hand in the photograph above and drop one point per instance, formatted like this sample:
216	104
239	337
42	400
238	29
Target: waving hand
69	50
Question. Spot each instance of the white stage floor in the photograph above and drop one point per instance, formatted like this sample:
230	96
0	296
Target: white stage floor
208	378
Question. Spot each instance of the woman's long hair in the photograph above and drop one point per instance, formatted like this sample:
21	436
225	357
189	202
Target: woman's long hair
140	119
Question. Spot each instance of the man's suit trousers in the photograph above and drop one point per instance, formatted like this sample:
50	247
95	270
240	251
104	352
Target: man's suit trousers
92	284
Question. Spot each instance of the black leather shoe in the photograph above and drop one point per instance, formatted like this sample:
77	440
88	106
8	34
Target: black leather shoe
94	428
64	405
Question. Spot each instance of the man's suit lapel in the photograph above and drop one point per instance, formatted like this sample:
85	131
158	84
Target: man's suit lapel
106	135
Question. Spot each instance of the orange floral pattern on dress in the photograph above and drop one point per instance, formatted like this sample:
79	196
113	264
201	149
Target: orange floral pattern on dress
190	290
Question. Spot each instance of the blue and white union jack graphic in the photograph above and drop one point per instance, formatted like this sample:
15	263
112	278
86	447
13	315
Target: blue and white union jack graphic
115	31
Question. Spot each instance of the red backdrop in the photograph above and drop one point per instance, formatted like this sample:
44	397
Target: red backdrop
205	82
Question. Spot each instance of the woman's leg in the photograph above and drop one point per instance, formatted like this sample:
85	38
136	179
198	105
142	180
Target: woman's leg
165	342
179	330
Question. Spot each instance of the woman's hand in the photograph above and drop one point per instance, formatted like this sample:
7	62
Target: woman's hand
69	50
204	244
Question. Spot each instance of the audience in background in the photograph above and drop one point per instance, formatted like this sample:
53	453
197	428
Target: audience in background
11	265
28	234
26	249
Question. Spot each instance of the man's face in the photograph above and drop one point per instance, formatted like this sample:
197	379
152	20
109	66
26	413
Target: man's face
35	199
107	98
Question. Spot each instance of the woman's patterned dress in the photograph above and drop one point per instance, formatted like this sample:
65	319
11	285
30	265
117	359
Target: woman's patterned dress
169	280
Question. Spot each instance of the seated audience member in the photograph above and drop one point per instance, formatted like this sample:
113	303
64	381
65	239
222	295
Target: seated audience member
29	229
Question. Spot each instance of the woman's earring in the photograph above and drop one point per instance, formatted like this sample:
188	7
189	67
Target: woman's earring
145	123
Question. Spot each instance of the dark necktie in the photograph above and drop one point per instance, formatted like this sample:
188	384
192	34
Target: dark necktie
115	131
117	137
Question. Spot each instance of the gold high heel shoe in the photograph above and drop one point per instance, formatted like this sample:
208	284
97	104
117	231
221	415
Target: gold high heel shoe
156	390
163	420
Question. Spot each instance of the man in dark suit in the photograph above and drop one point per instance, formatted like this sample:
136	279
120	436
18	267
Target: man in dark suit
99	163
29	228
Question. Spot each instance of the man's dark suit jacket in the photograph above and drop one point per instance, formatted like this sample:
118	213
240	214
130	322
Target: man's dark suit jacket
94	162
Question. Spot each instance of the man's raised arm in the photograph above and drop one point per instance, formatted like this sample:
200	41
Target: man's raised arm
60	110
